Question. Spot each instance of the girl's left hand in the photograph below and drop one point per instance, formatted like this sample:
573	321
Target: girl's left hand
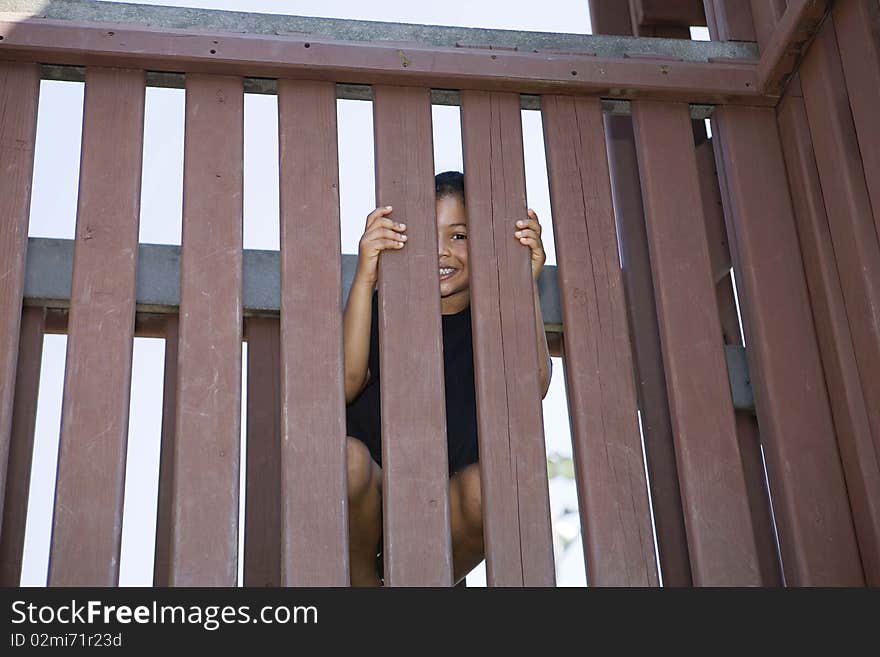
528	232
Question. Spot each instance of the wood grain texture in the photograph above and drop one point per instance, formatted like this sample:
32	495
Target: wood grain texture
87	522
854	233
204	535
809	494
849	405
721	538
616	520
638	283
418	550
516	510
313	453
19	91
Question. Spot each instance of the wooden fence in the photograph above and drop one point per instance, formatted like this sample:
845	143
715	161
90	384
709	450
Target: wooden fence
649	217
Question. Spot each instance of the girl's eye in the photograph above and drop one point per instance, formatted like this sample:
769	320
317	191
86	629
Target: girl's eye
459	236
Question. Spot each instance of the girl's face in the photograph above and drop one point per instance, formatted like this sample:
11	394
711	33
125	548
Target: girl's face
452	234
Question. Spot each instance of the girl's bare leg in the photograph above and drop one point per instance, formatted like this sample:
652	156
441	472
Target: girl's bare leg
466	510
364	513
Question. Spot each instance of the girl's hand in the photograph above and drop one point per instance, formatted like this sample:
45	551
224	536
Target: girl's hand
528	232
381	233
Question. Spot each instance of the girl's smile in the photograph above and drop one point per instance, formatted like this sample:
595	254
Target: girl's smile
452	253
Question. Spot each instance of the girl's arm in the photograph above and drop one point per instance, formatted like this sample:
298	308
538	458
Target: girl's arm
544	365
528	232
381	233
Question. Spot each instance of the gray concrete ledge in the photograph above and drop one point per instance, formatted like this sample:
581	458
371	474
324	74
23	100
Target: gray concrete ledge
50	265
356	30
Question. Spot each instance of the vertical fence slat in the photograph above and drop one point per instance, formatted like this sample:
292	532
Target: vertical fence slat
746	422
766	14
21	445
207	434
848	403
720	534
414	455
512	454
644	333
262	527
612	17
857	25
619	548
313	422
809	495
853	233
165	503
19	90
729	20
87	524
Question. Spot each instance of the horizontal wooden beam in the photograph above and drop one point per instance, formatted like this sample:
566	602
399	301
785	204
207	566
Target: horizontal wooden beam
167	80
628	75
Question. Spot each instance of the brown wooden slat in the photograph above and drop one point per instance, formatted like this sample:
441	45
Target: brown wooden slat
766	14
746	422
721	539
19	90
613	17
615	517
165	503
315	523
809	495
87	523
730	20
671	12
848	403
21	446
516	508
610	17
853	232
204	531
857	25
415	504
644	333
262	527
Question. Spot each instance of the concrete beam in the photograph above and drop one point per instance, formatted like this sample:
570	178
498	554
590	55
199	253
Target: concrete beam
50	265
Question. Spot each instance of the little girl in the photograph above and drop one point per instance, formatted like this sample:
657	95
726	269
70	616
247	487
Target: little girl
361	340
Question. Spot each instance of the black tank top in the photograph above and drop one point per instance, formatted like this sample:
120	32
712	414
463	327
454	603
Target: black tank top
363	419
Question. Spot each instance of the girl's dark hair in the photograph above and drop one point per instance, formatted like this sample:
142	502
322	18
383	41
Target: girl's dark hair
449	183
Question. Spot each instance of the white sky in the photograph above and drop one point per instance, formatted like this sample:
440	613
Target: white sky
53	212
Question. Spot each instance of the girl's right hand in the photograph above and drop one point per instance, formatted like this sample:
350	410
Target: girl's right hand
381	233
